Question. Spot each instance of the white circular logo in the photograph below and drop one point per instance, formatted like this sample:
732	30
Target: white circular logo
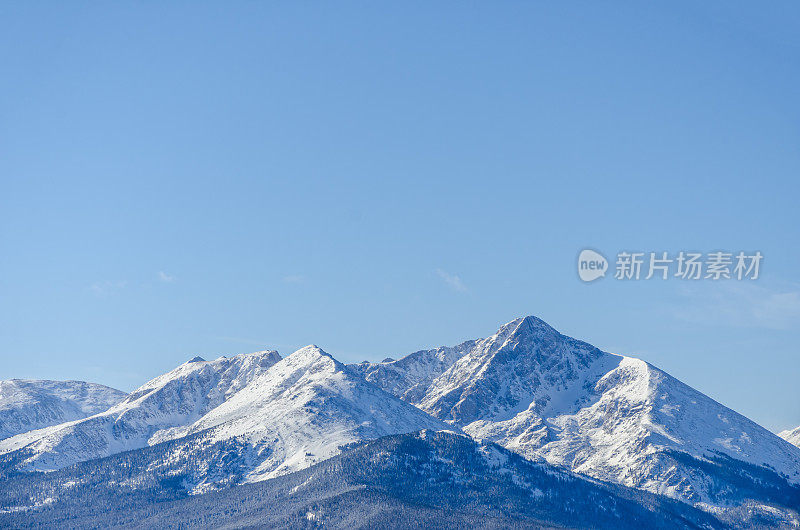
591	265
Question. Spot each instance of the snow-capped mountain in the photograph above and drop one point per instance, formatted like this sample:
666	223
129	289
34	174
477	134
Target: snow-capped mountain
169	401
244	419
792	436
298	413
620	419
27	404
552	399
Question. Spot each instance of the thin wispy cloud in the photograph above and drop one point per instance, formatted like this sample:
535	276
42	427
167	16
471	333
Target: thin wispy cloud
107	287
241	340
452	280
742	305
164	277
294	278
260	344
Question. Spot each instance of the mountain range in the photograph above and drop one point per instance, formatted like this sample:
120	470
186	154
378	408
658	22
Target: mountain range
614	427
277	415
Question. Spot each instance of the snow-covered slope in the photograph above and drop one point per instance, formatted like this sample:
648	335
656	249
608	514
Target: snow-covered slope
228	421
300	412
544	395
411	377
792	436
27	404
172	400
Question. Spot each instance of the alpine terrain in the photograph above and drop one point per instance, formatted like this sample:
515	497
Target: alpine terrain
526	428
618	419
243	419
27	404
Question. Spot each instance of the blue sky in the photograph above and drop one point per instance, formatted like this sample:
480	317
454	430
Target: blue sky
212	179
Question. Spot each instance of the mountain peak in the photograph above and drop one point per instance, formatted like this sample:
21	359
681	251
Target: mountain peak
312	350
196	359
525	323
490	378
313	355
524	330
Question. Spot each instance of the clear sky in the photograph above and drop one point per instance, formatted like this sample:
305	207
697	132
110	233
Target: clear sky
376	178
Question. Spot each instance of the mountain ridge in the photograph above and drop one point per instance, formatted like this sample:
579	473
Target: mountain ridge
272	415
548	396
29	404
183	394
